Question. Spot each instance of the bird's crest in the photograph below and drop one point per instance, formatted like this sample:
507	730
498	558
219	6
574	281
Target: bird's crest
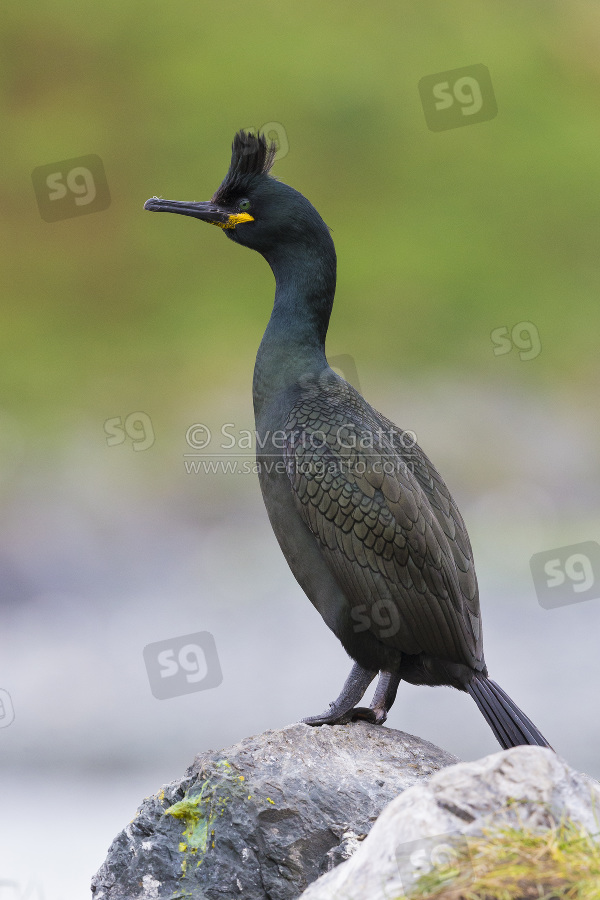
251	157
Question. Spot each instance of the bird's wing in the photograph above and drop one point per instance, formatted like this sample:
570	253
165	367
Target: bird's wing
377	525
443	506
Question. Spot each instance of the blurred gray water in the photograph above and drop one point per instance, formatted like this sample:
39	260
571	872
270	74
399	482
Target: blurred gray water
105	550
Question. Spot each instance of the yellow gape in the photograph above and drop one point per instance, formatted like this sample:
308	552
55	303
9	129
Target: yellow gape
234	219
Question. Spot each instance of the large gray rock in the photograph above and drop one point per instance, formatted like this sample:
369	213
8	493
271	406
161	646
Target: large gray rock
266	817
528	786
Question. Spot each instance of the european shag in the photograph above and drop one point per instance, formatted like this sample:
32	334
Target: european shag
365	521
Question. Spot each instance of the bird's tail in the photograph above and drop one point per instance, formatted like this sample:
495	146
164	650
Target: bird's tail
509	724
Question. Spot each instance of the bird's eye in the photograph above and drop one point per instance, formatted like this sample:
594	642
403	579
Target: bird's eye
244	205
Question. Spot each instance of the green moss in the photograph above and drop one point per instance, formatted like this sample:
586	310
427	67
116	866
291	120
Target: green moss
519	864
198	811
196	831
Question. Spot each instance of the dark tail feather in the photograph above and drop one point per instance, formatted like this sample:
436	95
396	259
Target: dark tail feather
510	725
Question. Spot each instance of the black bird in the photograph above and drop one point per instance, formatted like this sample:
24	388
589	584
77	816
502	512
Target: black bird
365	521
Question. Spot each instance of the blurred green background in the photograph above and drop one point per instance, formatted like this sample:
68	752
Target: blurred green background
441	237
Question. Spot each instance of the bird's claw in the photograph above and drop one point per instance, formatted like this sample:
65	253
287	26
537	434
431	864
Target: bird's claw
369	714
357	713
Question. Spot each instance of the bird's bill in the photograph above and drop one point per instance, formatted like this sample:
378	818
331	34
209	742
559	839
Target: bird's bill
204	210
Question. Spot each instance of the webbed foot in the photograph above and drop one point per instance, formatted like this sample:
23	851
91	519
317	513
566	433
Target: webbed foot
343	710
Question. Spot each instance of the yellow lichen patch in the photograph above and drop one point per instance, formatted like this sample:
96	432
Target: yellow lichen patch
199	811
196	826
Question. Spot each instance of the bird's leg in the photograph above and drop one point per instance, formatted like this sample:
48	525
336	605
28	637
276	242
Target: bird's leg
383	699
341	710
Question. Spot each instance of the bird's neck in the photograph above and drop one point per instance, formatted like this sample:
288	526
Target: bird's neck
293	344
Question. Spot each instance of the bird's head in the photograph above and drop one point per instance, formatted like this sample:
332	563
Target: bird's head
252	207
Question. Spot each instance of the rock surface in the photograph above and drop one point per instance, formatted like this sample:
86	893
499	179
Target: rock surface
266	817
527	786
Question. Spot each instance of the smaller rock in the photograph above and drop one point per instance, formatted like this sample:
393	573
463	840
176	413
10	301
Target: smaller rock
527	787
